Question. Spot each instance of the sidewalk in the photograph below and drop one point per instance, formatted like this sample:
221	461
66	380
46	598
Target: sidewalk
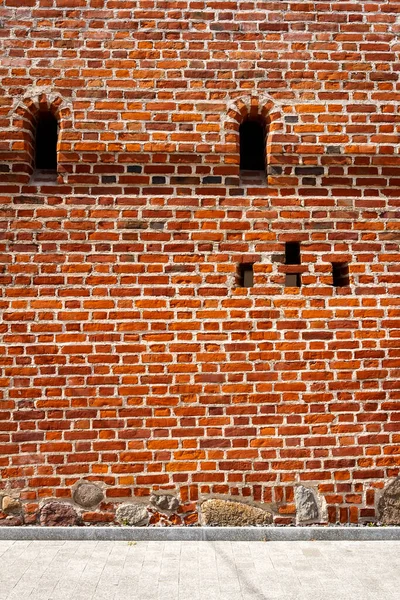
88	570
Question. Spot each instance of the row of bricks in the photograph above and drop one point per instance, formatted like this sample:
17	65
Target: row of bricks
318	311
278	194
280	187
371	428
346	403
249	460
289	221
222	10
252	471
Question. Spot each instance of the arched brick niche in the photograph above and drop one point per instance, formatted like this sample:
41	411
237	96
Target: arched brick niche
23	149
280	157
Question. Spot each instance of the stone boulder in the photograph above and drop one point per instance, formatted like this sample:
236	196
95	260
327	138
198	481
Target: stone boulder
165	502
55	514
225	513
306	504
132	514
87	494
11	505
389	504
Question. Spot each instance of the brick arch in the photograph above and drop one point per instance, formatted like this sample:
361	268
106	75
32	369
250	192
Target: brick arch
25	120
253	107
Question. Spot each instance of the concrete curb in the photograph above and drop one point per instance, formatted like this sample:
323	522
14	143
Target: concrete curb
210	534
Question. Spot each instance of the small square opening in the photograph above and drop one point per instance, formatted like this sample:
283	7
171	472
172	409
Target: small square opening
245	275
340	274
292	253
293	280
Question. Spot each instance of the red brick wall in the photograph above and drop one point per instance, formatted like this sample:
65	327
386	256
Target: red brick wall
128	356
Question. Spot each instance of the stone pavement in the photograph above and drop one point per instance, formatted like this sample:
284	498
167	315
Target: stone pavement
90	570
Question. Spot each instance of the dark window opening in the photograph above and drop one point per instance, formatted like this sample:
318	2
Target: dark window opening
46	142
245	275
292	253
293	280
340	274
252	136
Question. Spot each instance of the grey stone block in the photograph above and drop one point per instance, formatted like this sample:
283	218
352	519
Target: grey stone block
225	513
11	505
211	534
87	494
132	514
165	502
58	513
306	504
389	504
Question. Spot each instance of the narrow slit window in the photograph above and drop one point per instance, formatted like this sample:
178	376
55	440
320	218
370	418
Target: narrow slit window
46	142
340	274
245	275
252	134
292	253
293	280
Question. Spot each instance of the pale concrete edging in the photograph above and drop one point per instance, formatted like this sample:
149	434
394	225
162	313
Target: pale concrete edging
211	534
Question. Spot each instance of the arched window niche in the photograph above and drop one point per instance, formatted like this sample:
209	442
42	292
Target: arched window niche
41	122
45	146
252	142
253	134
251	126
46	141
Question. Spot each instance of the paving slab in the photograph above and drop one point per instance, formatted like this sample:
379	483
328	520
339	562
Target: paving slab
143	570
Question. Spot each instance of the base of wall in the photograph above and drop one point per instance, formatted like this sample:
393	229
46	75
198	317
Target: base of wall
207	534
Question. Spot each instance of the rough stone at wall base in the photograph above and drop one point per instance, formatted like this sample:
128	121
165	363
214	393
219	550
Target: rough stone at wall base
11	505
132	514
389	504
165	502
306	505
225	513
57	513
87	494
